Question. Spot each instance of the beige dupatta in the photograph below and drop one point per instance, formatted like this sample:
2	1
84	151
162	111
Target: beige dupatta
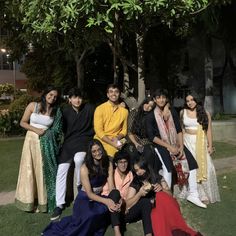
201	154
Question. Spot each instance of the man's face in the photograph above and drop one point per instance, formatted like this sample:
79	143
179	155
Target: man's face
113	94
122	165
75	101
160	101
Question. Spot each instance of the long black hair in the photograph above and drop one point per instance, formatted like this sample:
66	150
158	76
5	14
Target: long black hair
149	175
202	117
138	125
102	168
43	104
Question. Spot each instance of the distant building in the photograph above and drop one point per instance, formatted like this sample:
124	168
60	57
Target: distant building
10	71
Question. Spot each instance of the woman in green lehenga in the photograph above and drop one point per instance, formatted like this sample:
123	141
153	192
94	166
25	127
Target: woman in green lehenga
37	175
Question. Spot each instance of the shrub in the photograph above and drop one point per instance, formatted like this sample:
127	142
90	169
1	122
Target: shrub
19	104
10	124
7	89
10	121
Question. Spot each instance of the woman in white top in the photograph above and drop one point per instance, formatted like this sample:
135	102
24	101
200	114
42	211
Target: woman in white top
43	124
197	129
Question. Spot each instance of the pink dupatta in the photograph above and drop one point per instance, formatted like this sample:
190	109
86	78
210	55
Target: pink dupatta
169	135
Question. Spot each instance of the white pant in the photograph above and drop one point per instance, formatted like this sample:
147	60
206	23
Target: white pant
62	172
192	179
166	175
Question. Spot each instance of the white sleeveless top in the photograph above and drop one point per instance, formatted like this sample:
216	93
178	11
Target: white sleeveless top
189	123
40	121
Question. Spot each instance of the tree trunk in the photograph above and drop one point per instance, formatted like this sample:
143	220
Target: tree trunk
115	72
125	79
221	78
209	105
140	55
115	40
80	69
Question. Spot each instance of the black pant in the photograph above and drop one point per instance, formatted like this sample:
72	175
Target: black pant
140	211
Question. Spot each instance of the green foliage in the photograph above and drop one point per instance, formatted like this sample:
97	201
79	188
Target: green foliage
68	27
4	104
10	121
52	16
19	105
218	116
9	124
7	89
222	116
44	66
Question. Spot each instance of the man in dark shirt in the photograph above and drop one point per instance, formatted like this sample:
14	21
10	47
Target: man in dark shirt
78	132
161	126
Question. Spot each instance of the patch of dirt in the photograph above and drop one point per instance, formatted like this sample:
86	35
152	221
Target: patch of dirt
7	197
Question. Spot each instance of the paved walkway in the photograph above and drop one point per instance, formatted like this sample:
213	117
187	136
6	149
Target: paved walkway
222	166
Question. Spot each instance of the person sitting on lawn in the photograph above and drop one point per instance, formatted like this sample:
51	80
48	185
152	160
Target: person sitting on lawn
92	210
150	199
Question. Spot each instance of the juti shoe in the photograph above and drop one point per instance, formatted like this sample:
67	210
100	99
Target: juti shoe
196	201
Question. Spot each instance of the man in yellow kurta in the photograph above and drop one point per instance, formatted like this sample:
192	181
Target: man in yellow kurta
110	121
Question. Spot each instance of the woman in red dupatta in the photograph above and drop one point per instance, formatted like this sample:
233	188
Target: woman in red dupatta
166	216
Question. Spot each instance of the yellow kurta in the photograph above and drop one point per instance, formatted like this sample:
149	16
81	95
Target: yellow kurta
110	121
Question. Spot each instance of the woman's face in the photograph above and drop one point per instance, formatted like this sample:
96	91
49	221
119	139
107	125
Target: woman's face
96	152
160	101
190	102
51	97
138	170
148	106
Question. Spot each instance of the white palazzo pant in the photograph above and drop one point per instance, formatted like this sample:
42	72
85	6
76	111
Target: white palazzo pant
208	190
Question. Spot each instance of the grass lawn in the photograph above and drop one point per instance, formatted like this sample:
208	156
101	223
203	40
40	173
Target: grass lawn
223	150
10	154
217	220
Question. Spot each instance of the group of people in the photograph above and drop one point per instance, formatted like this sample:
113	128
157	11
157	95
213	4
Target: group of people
126	163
